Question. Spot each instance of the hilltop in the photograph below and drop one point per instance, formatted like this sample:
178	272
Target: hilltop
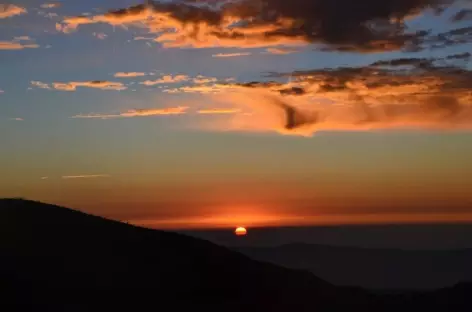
56	259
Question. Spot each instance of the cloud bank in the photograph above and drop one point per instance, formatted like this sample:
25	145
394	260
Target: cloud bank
403	93
342	25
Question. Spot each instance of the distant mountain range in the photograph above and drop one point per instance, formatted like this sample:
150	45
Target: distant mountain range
57	259
372	268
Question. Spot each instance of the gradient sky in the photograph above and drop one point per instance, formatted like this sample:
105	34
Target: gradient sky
156	115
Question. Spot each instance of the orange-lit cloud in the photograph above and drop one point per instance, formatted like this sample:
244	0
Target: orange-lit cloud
9	10
433	94
86	176
204	89
139	113
166	79
73	85
348	25
231	54
203	79
16	45
129	74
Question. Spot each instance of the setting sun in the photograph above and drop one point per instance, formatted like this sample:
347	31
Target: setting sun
240	231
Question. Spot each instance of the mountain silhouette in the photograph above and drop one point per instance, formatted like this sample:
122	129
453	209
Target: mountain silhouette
372	268
57	259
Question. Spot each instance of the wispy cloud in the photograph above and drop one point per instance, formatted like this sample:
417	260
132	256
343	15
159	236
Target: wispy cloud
1	91
9	10
44	178
17	119
203	79
138	113
143	38
22	38
231	54
16	45
166	79
280	51
129	74
203	89
73	85
50	5
217	111
100	35
86	176
40	84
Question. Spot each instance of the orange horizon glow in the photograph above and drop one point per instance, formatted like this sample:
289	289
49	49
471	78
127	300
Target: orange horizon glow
221	222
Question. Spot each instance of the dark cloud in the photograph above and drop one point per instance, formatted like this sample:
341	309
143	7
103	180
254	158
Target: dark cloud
462	15
449	38
341	25
460	56
368	25
294	118
426	63
417	62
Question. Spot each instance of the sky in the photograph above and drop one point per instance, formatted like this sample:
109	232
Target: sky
209	114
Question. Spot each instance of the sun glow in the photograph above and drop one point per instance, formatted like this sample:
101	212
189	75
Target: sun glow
222	222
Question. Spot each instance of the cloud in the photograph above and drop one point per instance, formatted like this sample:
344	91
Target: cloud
280	51
9	10
72	86
17	119
166	79
138	113
382	95
15	45
462	15
86	176
44	178
40	84
129	74
51	5
143	38
203	79
22	38
343	25
100	35
203	89
442	40
231	54
1	91
218	111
